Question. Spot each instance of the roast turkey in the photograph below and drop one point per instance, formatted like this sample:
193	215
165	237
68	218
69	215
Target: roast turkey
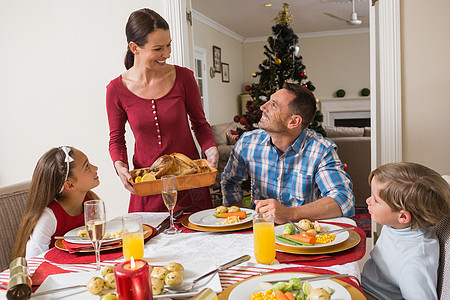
173	164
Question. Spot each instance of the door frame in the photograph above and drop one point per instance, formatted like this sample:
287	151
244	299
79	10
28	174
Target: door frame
200	53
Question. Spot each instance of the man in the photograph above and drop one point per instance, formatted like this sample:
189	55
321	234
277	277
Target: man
286	161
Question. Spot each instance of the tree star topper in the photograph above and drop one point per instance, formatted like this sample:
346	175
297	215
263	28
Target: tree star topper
284	16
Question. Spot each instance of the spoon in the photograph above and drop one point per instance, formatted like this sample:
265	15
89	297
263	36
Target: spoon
187	287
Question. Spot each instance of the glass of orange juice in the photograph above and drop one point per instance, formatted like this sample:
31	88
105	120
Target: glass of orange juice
133	237
264	238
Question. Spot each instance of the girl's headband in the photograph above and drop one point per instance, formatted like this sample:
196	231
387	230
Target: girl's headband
67	159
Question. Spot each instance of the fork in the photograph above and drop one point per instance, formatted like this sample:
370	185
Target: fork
295	225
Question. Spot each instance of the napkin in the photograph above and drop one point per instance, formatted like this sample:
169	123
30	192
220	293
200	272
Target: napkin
339	258
74	248
44	270
349	280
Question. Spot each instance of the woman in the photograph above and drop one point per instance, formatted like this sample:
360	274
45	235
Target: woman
156	99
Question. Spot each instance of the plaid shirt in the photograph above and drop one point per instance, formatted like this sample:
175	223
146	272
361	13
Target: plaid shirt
290	177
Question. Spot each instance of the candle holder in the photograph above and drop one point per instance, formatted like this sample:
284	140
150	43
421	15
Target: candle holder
133	280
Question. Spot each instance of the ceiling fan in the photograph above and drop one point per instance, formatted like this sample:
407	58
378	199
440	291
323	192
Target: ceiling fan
353	18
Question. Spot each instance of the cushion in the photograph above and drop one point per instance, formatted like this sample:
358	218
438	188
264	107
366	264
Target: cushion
231	138
220	131
367	131
333	131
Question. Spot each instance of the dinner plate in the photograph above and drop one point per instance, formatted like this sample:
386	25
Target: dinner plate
340	237
206	218
247	288
192	271
355	294
148	232
185	222
351	242
111	226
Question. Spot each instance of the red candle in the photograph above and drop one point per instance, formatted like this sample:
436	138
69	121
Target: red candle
133	280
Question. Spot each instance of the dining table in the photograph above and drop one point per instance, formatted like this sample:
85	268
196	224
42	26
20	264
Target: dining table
198	251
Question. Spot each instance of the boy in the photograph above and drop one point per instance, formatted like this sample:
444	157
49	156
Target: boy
409	199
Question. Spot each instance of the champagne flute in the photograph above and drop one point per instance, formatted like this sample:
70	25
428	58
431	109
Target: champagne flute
169	195
95	222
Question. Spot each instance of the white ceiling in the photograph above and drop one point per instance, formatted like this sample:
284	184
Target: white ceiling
250	18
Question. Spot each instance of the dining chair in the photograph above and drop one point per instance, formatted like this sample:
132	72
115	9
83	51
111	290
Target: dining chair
443	234
12	205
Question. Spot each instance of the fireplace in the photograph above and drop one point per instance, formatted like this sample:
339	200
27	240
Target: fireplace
348	112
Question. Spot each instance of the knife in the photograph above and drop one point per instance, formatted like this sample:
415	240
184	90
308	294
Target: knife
314	278
166	223
80	238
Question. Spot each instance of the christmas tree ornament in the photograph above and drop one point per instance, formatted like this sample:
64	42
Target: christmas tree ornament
243	121
303	74
277	61
248	88
295	49
284	17
236	118
253	74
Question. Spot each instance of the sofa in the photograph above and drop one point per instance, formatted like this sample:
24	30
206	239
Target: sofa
353	149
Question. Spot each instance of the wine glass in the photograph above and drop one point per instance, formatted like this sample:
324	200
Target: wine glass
95	221
169	195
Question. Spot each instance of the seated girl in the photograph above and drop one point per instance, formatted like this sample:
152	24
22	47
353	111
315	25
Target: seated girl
61	183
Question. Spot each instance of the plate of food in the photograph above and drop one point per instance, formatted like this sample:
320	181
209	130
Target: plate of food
113	232
191	271
222	216
286	282
312	235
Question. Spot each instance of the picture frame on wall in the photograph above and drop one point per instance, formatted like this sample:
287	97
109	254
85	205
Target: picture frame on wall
217	58
225	72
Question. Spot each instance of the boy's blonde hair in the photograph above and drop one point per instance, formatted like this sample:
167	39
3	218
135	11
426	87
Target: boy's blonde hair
416	189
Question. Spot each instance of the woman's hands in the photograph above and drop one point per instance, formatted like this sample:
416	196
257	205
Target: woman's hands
124	175
212	155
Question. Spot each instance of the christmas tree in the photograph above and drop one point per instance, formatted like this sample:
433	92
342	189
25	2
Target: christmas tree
282	64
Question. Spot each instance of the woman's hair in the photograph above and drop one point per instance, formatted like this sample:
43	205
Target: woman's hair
416	189
304	103
140	23
46	184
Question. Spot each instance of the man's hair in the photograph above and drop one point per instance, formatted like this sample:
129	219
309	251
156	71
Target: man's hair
303	104
416	189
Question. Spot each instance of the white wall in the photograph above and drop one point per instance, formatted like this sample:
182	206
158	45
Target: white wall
56	59
332	62
224	100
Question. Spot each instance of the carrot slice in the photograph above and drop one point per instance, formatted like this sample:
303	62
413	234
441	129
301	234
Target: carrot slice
241	214
308	233
280	296
289	295
302	238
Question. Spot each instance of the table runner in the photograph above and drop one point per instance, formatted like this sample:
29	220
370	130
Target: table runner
326	260
62	257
